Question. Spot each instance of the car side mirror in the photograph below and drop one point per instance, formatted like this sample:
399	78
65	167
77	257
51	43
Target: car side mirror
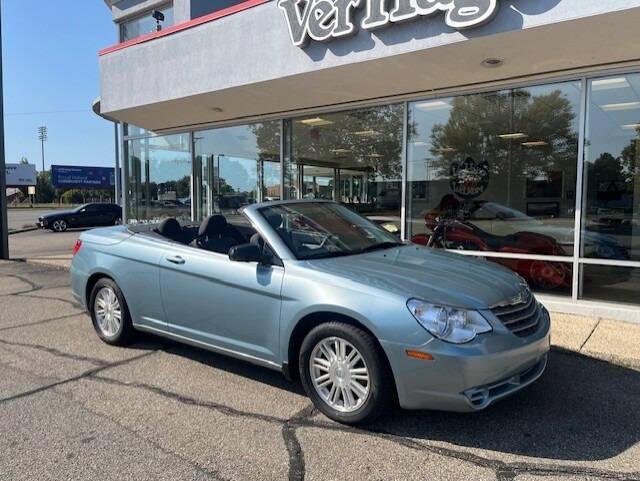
245	253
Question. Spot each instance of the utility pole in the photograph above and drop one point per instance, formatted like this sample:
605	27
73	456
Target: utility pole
42	137
4	228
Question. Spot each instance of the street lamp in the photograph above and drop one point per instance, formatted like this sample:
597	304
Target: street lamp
42	137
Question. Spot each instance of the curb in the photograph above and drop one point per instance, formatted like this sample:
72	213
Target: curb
20	231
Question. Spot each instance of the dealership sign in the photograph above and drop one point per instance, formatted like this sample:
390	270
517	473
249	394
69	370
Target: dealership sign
73	177
326	19
19	175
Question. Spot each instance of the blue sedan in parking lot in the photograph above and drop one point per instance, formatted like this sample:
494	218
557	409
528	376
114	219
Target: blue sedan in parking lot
322	294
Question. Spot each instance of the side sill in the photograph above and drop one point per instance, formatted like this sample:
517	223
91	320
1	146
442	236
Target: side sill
210	347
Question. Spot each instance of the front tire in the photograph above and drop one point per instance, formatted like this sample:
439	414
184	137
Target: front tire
59	225
110	314
344	372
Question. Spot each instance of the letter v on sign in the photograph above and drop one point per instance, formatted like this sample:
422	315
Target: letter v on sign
297	19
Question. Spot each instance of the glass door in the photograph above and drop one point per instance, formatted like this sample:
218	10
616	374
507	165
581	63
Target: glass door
318	182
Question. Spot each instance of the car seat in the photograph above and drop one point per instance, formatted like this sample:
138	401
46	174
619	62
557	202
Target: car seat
171	229
216	235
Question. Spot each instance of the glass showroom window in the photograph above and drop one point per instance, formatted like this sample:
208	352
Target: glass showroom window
354	157
159	178
237	166
611	201
145	24
496	172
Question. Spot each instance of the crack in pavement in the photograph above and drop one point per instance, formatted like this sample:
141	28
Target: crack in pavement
43	321
303	419
83	375
33	287
50	298
297	468
56	352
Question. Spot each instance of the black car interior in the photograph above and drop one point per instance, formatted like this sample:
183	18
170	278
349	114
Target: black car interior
215	234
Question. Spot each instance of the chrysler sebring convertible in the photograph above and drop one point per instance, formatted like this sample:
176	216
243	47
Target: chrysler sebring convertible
323	295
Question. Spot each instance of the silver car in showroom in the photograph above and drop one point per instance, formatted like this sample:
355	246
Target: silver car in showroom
324	295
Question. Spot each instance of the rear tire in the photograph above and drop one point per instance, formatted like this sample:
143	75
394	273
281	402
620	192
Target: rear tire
110	314
345	373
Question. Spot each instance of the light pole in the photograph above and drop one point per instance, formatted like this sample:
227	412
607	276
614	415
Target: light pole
42	137
4	228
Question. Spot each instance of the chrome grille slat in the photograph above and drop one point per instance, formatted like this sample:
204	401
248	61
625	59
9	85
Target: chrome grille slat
521	318
532	323
526	313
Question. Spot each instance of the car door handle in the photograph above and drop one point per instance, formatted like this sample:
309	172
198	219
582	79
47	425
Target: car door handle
176	260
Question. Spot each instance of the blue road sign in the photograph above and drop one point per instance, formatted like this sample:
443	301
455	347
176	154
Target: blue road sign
72	177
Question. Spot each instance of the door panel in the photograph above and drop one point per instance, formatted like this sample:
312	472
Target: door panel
233	305
137	262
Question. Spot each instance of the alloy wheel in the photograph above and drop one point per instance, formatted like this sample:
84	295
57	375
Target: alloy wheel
340	374
108	312
59	225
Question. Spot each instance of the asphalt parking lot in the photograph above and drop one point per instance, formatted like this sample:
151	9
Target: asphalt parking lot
72	407
42	243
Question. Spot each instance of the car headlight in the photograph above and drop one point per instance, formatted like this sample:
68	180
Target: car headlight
449	324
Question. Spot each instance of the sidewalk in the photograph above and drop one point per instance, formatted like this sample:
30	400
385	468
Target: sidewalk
614	341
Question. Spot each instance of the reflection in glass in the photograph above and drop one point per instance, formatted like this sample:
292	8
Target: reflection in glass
159	183
611	208
497	172
238	166
610	284
354	157
144	24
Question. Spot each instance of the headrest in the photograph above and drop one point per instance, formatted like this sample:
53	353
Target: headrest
274	220
169	228
213	225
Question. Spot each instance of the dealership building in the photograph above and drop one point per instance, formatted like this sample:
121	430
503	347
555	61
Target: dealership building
511	126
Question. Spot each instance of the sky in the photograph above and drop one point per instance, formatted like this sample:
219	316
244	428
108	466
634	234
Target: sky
51	78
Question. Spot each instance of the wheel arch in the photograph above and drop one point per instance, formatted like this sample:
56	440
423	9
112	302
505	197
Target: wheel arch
310	321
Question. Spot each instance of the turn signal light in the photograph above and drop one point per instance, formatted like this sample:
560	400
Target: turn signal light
423	356
77	247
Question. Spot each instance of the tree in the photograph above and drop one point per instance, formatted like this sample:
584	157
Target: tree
476	123
45	193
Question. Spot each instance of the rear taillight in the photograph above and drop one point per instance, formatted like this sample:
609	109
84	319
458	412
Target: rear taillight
77	247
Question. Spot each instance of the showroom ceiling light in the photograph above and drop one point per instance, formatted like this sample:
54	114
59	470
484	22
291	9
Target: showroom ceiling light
513	136
433	105
621	106
536	143
447	150
375	155
315	121
420	143
340	151
610	83
366	133
631	126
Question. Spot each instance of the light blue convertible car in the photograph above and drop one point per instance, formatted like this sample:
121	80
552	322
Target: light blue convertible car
322	294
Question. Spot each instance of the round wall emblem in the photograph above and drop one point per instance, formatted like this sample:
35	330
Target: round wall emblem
469	179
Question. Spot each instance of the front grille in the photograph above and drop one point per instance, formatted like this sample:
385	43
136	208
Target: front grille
522	318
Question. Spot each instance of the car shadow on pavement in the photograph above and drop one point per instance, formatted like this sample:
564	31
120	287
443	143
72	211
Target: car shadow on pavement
581	409
233	366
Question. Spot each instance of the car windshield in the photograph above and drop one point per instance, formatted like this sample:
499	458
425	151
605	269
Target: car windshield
315	230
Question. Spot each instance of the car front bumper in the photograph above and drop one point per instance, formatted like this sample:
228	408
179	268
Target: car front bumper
467	378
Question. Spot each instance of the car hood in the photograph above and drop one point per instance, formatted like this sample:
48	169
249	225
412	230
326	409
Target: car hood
50	215
431	275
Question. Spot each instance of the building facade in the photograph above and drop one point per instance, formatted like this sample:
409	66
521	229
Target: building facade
511	127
